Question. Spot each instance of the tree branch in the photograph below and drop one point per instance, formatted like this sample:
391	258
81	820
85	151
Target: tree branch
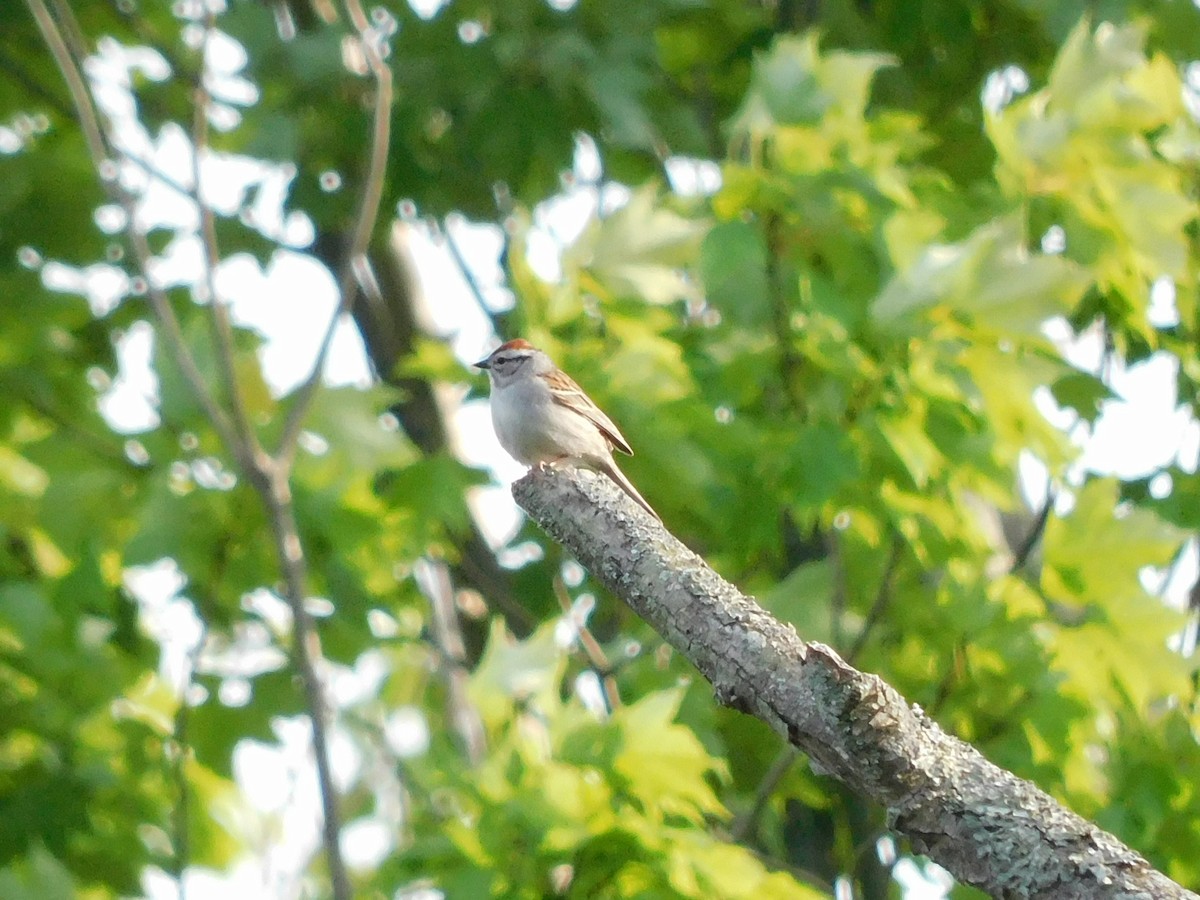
745	824
986	826
364	226
270	477
434	578
882	598
465	270
1023	551
68	63
211	255
306	652
180	751
591	647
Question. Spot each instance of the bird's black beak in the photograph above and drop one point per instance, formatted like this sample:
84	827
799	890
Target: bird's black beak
484	363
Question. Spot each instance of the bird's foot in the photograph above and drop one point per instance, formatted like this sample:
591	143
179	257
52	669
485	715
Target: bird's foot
543	465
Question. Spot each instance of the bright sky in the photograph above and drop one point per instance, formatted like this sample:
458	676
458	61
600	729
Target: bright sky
289	302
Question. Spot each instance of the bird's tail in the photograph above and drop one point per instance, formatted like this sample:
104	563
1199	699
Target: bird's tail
609	468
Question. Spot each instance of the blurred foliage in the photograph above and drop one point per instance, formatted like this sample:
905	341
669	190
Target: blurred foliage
828	367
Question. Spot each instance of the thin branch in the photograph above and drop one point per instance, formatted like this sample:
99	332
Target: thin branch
591	647
275	471
71	31
464	269
368	213
179	739
156	173
448	636
743	826
211	256
882	598
837	596
306	652
94	135
80	96
1030	541
268	477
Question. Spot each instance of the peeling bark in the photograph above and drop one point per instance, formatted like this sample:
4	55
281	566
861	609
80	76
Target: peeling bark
986	826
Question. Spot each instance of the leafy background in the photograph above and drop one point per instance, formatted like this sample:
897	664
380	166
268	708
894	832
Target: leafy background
858	373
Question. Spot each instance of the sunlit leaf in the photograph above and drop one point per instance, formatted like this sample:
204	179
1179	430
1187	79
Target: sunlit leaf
640	250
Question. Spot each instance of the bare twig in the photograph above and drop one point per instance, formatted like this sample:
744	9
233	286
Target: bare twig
882	598
591	647
743	826
156	173
169	327
270	478
179	739
837	596
211	255
69	64
435	582
71	31
368	212
306	652
464	269
1036	530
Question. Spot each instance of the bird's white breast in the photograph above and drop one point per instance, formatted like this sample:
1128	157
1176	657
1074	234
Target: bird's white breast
532	428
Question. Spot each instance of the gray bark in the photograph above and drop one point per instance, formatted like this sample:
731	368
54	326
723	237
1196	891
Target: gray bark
986	826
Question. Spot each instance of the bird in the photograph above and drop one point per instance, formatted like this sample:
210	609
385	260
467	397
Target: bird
543	418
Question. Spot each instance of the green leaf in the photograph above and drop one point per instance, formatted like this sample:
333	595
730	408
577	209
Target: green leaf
1082	392
234	237
217	815
795	84
1087	141
991	277
1099	549
431	492
215	536
664	765
152	702
823	459
39	876
1093	563
912	444
1005	381
639	251
511	672
352	421
733	265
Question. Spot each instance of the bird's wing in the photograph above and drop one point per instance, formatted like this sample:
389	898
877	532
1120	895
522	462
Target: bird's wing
567	393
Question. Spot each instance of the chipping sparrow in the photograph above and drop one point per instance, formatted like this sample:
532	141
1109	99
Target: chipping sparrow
542	417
